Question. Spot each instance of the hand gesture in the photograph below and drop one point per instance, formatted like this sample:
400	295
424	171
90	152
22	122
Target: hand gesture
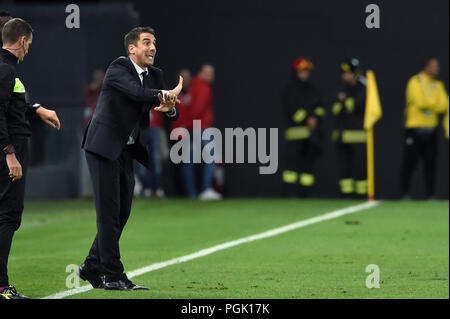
49	117
15	169
178	88
168	102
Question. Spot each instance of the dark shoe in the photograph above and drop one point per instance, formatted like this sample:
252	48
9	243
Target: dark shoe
122	284
94	278
11	293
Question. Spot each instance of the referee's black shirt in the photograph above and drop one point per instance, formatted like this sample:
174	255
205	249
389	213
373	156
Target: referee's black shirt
14	109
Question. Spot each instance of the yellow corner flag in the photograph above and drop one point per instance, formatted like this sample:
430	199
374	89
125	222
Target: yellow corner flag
373	106
372	114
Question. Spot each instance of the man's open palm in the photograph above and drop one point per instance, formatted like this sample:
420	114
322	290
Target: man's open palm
178	88
168	102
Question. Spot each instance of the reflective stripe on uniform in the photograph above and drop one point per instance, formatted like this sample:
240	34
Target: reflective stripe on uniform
349	104
337	108
354	136
297	133
319	111
361	187
306	179
347	185
290	176
299	116
18	87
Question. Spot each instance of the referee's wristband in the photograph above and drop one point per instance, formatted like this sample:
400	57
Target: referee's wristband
9	149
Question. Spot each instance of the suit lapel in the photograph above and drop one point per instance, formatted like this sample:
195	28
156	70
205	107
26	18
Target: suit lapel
152	83
152	80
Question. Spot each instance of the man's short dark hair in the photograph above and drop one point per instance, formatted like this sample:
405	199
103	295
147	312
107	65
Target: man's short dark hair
132	37
14	29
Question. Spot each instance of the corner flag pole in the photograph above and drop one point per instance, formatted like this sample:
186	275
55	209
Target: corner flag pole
370	166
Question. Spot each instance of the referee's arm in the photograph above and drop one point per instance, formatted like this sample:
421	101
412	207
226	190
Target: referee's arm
6	88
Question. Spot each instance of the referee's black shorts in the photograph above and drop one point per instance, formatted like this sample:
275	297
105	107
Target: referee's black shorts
12	193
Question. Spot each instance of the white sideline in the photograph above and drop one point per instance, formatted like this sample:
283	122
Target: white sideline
210	250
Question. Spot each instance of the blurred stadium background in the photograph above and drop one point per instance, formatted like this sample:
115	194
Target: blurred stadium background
252	45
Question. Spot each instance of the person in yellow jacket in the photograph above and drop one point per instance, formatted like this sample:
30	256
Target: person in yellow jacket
426	99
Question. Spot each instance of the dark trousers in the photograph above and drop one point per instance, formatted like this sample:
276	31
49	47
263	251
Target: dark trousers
300	159
113	185
11	204
419	145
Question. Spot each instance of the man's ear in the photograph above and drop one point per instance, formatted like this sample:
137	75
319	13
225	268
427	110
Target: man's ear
131	49
22	40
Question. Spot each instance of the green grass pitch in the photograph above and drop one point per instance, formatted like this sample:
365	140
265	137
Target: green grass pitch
408	240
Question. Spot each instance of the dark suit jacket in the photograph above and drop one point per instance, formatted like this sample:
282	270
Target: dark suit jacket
122	105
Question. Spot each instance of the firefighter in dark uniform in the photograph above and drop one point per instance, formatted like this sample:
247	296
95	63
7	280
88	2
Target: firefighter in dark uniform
349	134
303	113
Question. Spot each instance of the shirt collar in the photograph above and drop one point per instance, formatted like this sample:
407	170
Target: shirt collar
8	57
139	70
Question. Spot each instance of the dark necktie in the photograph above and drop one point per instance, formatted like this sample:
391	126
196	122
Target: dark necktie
144	79
135	132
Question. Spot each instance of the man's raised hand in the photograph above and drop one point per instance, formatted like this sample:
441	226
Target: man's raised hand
178	88
169	100
167	103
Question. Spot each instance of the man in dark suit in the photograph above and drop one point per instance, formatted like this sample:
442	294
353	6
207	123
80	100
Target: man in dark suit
111	141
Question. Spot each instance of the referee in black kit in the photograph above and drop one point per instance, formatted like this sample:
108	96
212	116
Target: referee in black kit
17	36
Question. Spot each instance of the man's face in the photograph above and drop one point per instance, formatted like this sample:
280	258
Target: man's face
207	74
348	77
24	43
432	67
144	51
304	75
